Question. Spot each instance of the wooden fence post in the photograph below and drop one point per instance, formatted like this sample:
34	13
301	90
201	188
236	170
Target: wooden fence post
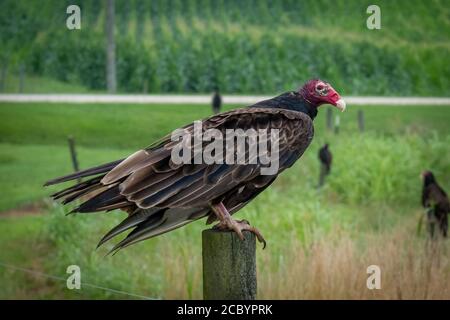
329	119
111	72
337	123
229	265
73	155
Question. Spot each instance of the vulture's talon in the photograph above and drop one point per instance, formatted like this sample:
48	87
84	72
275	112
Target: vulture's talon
228	223
238	226
260	237
253	230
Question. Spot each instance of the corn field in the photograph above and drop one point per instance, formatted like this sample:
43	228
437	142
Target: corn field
238	46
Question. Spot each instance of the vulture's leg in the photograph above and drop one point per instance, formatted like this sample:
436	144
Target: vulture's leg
228	223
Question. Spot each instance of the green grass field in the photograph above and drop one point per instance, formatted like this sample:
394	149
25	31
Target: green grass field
368	211
136	126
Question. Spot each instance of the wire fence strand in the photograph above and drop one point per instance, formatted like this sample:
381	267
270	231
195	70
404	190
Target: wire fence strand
85	284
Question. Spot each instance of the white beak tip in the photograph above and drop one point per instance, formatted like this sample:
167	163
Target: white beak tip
340	104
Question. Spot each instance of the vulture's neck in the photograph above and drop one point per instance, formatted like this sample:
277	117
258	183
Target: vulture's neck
301	105
291	101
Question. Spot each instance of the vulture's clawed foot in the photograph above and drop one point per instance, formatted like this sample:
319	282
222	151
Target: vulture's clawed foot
228	223
239	226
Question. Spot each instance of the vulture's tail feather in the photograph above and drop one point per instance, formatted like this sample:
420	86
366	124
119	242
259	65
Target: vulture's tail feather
85	173
77	187
130	222
162	221
77	194
106	198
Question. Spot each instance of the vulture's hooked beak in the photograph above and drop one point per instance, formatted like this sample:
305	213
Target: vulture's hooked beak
340	104
335	99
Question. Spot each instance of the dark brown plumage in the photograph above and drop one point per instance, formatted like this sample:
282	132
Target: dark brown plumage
160	195
435	201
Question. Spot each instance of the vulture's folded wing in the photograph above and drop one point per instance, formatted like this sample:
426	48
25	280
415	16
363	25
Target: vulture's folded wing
149	178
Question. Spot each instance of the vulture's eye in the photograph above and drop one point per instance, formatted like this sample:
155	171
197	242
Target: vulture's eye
322	89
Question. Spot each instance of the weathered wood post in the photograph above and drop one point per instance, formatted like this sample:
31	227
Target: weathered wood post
73	155
329	119
337	123
229	265
111	77
361	124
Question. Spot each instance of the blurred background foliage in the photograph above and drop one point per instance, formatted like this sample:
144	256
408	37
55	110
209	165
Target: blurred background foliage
241	46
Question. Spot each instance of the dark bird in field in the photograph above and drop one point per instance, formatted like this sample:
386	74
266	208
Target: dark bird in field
216	101
436	203
161	195
325	158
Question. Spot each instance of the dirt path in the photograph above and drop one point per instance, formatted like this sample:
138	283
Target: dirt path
26	210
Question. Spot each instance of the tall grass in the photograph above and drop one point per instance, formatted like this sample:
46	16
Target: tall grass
335	268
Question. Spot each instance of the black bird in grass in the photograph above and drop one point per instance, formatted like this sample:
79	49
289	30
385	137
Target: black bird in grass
160	196
436	203
216	101
325	158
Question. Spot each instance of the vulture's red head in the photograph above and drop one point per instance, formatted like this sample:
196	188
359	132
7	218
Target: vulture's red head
318	92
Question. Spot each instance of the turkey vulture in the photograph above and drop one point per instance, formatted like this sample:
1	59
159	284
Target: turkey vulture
160	195
435	201
325	158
